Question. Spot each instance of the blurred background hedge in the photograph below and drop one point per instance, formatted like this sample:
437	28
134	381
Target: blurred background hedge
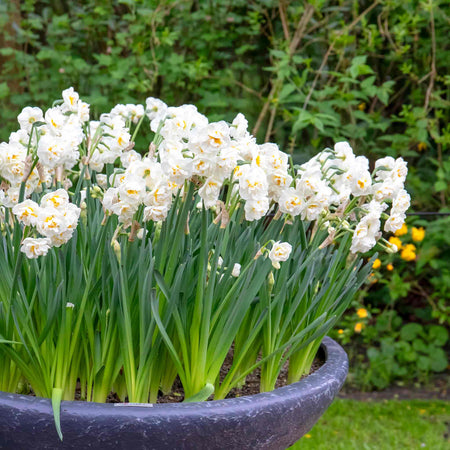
305	74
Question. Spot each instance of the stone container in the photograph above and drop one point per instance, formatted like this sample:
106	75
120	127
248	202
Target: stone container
272	420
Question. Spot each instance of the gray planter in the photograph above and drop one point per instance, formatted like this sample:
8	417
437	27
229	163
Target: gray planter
273	420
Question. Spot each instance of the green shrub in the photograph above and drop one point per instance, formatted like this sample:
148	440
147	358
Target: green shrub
399	327
399	352
372	73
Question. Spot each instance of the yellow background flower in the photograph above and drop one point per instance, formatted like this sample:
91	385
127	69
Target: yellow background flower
417	234
395	241
362	312
409	252
402	231
421	146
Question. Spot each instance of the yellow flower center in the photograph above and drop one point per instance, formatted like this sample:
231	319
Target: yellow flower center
216	140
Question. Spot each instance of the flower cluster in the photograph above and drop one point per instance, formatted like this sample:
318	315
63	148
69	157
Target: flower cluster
337	178
55	218
223	161
54	138
110	136
218	154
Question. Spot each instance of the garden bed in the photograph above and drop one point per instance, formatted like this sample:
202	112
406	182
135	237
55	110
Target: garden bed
437	389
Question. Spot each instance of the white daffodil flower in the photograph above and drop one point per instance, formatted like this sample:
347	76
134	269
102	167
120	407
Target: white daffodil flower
28	117
280	252
236	270
33	248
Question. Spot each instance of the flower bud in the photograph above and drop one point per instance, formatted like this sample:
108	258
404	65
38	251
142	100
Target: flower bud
96	192
116	247
271	280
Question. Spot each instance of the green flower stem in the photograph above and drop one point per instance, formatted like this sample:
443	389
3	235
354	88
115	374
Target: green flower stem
196	382
137	128
208	304
84	300
127	337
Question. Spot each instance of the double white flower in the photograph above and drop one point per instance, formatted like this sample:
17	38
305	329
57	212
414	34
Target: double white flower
35	247
218	157
280	252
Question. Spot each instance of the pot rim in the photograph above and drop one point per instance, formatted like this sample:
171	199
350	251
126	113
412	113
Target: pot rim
330	375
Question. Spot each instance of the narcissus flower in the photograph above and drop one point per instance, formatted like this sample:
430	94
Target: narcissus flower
33	248
280	252
213	155
417	234
27	212
365	234
28	116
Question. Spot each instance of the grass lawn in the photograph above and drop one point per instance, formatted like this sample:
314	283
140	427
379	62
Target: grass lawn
393	424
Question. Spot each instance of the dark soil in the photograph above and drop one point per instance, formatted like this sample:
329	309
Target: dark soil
437	389
250	387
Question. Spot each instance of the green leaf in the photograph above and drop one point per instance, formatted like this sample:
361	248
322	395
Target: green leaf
317	123
424	363
7	51
201	395
286	91
440	185
104	60
383	95
358	60
4	90
359	67
6	341
438	360
368	82
304	119
438	335
373	353
56	406
410	331
420	346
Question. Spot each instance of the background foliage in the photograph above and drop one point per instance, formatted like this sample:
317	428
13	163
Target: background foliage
305	74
